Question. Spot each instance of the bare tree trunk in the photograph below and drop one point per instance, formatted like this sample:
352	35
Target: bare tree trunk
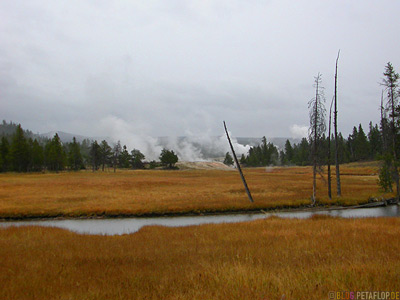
315	144
339	188
395	170
383	125
329	154
238	166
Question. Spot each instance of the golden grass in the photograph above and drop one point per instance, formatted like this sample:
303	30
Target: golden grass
158	192
264	259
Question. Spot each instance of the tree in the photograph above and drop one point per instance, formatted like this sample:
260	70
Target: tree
317	128
361	145
289	153
75	159
117	151
124	158
338	184
4	154
54	154
390	82
168	158
95	156
37	156
137	159
105	154
329	153
375	141
19	151
228	159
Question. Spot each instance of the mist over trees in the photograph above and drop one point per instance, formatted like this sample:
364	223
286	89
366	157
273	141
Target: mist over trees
23	151
20	153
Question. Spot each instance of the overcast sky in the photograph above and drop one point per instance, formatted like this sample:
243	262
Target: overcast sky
171	68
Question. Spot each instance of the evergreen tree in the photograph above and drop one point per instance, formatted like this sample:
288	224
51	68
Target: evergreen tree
19	151
116	153
137	159
289	152
228	159
95	156
105	153
391	84
375	141
4	154
361	145
168	158
302	153
54	154
124	158
75	159
37	156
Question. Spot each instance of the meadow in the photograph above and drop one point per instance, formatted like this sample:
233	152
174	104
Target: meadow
161	192
265	259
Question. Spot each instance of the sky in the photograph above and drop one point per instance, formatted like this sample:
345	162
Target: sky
174	68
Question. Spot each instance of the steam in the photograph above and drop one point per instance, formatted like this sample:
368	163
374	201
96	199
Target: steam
189	148
298	131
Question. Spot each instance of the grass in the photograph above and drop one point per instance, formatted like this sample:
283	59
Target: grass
75	194
264	259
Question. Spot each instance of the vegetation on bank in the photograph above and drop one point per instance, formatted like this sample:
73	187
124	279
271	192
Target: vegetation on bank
265	259
145	192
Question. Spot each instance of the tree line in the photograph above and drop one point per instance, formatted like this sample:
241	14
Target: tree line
358	146
380	143
19	153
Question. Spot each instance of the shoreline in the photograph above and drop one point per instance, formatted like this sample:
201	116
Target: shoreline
318	207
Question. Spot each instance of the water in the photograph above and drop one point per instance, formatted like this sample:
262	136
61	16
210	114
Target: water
129	225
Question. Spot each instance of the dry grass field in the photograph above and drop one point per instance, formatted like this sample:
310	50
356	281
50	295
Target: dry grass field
264	259
157	192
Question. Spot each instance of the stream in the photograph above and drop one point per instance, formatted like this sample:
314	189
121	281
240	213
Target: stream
117	226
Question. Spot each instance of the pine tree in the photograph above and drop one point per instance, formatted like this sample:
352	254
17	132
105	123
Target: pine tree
54	154
390	82
361	145
105	153
75	159
375	141
289	152
168	158
137	159
4	154
124	158
19	151
228	159
95	156
116	153
37	156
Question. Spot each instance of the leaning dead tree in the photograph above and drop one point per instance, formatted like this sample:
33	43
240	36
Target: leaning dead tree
339	187
238	165
316	130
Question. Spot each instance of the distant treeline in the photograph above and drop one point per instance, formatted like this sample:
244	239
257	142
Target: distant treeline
357	147
22	151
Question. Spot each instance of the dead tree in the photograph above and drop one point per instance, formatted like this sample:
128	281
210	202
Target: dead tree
238	165
329	154
338	185
316	130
